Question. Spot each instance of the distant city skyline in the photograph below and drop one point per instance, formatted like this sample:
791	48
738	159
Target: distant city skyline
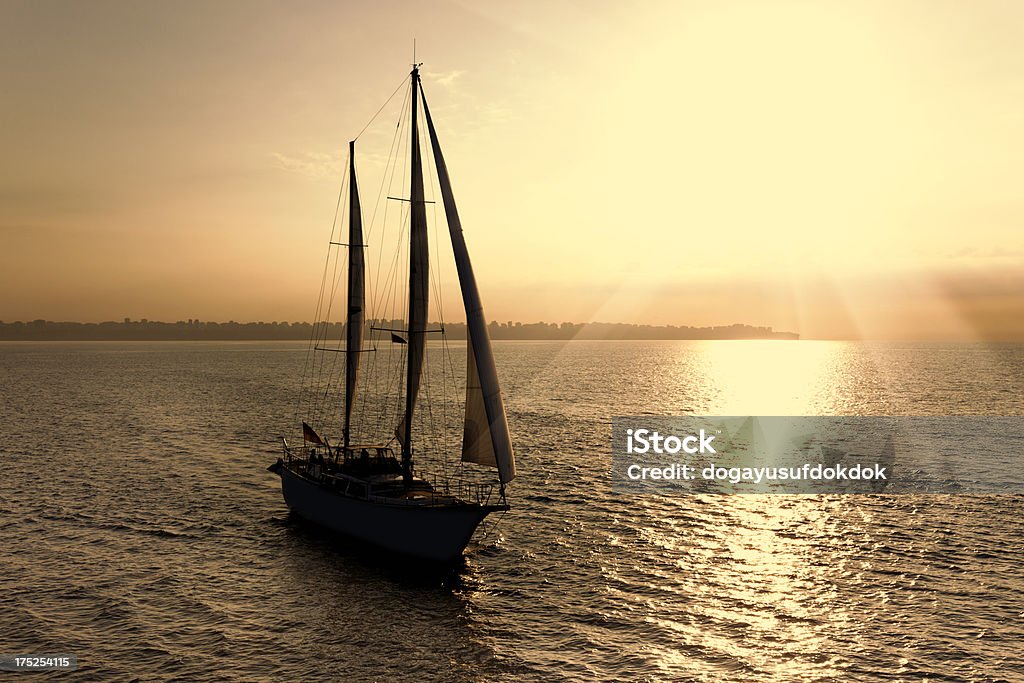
200	330
840	170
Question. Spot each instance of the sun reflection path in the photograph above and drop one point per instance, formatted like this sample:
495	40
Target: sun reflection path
763	377
746	586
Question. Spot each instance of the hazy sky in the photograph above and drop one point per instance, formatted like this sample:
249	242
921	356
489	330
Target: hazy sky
844	169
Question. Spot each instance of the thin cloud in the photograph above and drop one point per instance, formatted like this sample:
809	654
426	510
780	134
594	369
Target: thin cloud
449	79
312	164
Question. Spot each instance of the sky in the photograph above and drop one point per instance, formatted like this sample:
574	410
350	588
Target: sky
837	169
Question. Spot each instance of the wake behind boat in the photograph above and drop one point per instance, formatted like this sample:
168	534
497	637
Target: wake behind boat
394	488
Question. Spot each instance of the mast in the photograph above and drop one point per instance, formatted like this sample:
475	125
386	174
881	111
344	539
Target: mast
354	320
418	284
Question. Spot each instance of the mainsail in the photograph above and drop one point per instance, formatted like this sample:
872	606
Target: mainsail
485	436
356	293
419	261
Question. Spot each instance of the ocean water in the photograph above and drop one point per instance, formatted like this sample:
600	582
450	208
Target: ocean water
142	533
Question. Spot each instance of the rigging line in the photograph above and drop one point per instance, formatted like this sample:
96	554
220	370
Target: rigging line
314	332
332	292
391	290
491	526
319	304
391	298
402	270
386	180
398	297
374	290
438	433
447	416
335	286
434	428
397	271
451	365
334	373
323	387
321	322
435	276
438	426
431	163
392	295
403	217
405	79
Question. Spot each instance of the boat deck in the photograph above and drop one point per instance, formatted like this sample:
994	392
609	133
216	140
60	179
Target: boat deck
378	478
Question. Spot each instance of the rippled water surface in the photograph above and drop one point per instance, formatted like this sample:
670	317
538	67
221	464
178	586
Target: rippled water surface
142	533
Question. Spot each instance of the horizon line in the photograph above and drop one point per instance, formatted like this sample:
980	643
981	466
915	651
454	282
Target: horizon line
194	329
38	329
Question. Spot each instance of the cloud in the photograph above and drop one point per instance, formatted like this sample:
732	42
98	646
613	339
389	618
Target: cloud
312	164
448	78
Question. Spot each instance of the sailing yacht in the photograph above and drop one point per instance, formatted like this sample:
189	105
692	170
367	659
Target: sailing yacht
378	488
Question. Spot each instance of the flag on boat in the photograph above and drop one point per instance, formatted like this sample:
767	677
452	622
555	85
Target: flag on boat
309	434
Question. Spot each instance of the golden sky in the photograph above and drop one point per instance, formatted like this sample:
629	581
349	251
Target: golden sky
839	169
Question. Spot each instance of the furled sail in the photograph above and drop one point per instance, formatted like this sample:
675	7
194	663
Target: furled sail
356	293
419	282
485	436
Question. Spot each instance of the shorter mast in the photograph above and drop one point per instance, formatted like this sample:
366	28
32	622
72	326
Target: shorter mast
354	320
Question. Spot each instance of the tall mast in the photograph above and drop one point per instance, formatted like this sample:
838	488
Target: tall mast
354	320
418	283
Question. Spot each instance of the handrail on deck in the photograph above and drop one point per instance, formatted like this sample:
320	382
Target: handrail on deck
468	491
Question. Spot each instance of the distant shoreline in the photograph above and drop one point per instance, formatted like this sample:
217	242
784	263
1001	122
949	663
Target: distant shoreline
195	330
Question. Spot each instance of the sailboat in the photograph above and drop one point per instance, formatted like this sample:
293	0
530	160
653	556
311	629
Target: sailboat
378	490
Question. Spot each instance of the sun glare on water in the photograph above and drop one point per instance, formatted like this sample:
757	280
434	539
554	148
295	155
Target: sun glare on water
761	377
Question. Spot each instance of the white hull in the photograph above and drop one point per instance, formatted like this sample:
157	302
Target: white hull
438	533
